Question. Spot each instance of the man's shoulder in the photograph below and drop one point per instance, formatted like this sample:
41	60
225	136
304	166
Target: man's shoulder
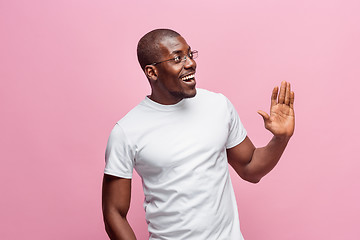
132	115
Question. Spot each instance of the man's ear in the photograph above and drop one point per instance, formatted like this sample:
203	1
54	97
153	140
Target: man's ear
151	72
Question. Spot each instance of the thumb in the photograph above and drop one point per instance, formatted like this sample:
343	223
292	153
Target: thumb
264	115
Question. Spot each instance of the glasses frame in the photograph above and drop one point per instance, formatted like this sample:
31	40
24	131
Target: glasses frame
182	60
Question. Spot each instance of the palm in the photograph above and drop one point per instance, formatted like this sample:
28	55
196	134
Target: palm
281	121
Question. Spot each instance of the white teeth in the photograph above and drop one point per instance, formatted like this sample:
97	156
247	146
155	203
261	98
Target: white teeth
188	77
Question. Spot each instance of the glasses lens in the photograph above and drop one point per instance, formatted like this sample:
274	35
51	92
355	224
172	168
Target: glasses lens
178	59
193	54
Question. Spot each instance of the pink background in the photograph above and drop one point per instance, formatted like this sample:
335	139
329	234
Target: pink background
69	71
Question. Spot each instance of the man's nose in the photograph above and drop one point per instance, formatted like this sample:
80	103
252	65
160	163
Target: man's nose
189	63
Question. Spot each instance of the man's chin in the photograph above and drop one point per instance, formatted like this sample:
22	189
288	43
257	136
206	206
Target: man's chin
190	94
184	94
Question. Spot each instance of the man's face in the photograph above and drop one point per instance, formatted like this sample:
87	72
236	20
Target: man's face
176	80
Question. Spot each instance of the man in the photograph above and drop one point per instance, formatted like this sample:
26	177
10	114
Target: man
180	140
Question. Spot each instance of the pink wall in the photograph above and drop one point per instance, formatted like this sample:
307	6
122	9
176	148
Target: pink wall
69	71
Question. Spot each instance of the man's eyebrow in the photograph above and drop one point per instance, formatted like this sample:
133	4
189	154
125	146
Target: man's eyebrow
179	51
176	51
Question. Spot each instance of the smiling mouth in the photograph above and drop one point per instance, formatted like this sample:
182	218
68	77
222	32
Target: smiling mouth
188	78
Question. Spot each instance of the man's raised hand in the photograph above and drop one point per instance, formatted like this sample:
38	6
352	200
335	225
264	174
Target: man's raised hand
281	121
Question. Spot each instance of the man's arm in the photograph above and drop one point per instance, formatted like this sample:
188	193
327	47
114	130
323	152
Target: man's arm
252	163
116	194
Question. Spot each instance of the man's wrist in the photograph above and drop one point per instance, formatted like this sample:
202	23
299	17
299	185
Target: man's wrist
281	139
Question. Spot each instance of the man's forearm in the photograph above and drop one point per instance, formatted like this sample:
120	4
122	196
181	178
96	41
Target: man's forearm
265	159
118	228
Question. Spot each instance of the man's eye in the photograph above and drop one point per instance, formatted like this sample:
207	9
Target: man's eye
177	59
191	55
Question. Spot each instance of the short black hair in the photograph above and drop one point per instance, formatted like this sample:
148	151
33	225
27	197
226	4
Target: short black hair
148	50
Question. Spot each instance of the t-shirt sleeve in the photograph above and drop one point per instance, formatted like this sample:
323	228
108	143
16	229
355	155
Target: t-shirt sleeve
119	154
237	132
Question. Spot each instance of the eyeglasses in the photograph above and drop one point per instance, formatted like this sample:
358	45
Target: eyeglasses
178	59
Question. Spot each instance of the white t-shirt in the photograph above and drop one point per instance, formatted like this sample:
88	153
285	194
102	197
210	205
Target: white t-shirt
180	153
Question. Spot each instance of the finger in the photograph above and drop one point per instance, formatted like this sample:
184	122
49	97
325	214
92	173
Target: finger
292	97
282	92
264	115
287	94
274	95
